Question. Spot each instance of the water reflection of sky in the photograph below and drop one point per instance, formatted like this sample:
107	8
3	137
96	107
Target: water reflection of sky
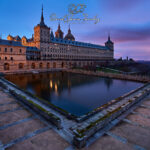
78	94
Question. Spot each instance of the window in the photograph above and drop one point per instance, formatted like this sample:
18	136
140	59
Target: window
33	66
5	58
11	58
6	66
20	50
11	50
21	66
5	49
0	58
40	65
0	49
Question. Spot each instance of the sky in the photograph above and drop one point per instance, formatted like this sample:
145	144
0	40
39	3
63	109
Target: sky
127	21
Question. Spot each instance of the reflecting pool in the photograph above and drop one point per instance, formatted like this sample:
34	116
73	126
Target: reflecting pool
77	94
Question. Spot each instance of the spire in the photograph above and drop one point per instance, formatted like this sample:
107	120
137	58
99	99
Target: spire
109	37
42	18
59	33
69	30
59	26
52	35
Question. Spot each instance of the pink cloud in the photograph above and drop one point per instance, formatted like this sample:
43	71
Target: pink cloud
120	5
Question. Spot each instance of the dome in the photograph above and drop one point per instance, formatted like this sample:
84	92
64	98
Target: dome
69	36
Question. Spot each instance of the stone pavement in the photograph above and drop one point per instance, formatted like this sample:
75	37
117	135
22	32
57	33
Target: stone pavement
22	130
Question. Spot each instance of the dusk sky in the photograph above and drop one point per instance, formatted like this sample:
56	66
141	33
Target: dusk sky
128	22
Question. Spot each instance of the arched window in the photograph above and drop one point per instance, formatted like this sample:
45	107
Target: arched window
62	65
6	66
54	64
48	65
40	65
20	65
33	66
70	64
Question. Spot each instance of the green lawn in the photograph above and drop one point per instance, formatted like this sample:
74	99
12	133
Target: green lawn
108	70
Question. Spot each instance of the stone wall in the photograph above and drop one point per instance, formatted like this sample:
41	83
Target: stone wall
29	66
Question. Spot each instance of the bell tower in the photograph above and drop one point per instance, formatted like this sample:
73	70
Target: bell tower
41	31
109	44
59	34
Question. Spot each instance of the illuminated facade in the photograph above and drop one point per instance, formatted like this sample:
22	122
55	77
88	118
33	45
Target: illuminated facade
44	50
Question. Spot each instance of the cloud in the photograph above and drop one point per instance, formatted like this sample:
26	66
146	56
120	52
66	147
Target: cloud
136	52
126	34
120	5
119	34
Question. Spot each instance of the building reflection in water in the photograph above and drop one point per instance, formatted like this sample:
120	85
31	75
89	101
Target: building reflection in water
56	89
108	82
51	84
78	94
69	86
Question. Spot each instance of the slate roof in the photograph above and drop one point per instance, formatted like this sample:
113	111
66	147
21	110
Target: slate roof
19	44
10	43
32	49
76	43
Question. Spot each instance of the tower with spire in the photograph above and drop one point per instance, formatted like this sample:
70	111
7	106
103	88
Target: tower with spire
59	34
41	31
109	44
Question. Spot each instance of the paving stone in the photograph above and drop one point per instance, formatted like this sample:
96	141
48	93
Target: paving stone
135	135
19	130
48	140
108	143
9	107
4	99
140	120
143	111
13	117
147	102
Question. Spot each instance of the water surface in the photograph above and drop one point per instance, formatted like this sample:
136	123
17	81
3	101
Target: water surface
78	94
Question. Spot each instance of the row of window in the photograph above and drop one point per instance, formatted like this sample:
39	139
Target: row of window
65	50
72	51
44	32
71	57
10	50
6	58
7	66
